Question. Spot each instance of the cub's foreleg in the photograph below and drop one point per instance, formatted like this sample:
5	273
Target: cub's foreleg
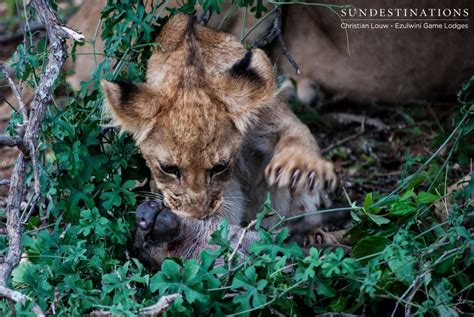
297	174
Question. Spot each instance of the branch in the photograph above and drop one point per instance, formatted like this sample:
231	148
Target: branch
57	35
346	118
275	32
345	140
163	304
16	92
241	240
19	298
19	33
237	248
13	141
205	17
4	182
413	287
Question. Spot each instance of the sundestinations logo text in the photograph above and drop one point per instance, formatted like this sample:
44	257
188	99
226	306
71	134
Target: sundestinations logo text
404	18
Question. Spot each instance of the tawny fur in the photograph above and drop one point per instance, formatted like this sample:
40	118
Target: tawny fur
198	110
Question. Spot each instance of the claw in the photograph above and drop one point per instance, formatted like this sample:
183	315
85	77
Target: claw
294	179
268	171
311	180
278	175
328	185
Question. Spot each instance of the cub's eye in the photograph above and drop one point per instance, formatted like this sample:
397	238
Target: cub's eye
170	169
219	168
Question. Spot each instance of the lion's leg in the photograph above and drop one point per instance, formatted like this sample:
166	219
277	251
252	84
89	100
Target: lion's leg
300	208
296	163
305	89
307	225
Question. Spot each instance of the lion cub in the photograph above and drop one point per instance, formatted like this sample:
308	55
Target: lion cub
215	133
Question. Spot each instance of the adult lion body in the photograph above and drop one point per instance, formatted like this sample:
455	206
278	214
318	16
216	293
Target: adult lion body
394	65
390	65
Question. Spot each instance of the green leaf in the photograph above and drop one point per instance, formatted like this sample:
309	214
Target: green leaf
252	296
368	201
407	195
379	220
325	290
369	246
172	279
426	198
402	208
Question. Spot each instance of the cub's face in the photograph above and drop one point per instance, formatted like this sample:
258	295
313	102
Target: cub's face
192	160
202	94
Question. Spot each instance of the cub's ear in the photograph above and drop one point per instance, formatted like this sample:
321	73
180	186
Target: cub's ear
247	87
131	106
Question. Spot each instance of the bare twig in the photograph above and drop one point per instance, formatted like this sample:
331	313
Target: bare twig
204	17
17	92
18	34
163	304
76	36
19	298
346	118
410	297
57	35
52	309
10	141
275	33
13	141
416	282
157	309
237	248
241	239
413	288
345	140
100	313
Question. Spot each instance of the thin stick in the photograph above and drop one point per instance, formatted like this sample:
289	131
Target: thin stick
237	248
12	141
19	33
161	306
345	140
204	17
275	33
241	239
16	92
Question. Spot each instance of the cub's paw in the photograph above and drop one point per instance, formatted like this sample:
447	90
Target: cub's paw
301	170
319	237
322	239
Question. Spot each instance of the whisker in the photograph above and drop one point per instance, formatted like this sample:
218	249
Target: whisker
147	191
236	197
218	213
228	204
150	194
151	197
227	208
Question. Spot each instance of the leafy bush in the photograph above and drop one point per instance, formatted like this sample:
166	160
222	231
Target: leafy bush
405	253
